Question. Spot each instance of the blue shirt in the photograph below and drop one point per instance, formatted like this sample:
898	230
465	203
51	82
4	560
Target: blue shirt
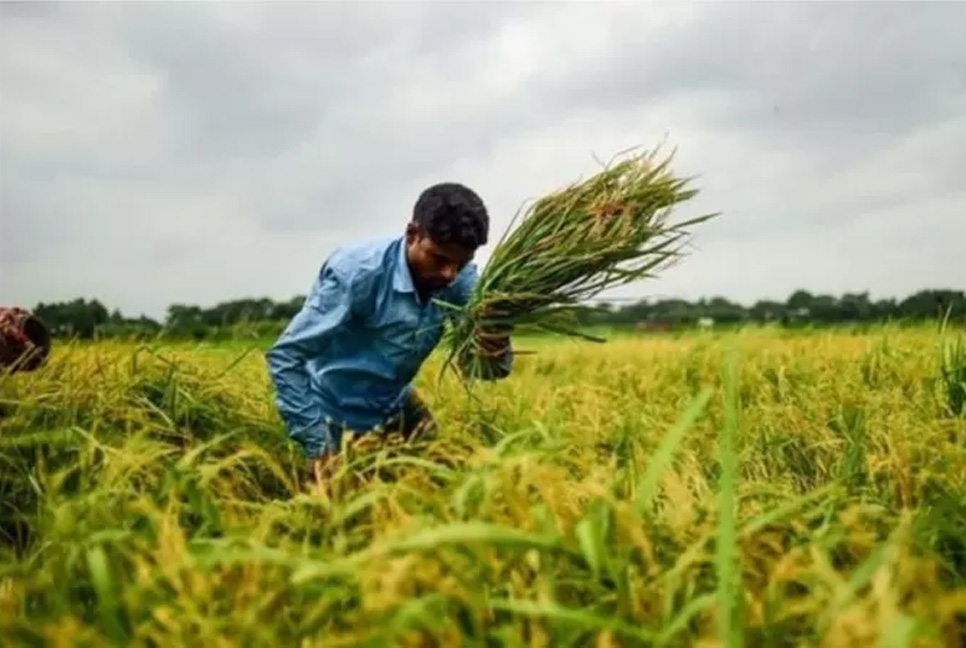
348	357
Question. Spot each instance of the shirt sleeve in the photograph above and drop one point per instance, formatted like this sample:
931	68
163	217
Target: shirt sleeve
333	301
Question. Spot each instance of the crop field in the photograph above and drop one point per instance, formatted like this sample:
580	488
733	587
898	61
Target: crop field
758	488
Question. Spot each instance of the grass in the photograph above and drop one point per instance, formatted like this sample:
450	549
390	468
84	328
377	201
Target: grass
760	488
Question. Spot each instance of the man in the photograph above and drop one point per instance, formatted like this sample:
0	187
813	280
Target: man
370	320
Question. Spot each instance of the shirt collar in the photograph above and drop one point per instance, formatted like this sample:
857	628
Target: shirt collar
402	279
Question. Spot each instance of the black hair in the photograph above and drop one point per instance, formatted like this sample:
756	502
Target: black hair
449	212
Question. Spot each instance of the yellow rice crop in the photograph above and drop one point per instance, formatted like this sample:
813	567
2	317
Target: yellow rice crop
643	492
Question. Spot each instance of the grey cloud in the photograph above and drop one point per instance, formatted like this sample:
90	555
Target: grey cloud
262	82
244	141
857	72
294	107
20	239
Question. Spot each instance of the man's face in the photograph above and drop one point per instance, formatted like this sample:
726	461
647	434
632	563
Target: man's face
434	265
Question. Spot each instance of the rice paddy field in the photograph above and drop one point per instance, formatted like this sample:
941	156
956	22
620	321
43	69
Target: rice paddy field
758	487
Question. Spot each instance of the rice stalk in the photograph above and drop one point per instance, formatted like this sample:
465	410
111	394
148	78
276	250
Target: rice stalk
953	371
135	512
607	231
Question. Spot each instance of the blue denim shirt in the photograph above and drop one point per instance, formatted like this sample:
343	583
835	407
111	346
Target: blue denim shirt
348	357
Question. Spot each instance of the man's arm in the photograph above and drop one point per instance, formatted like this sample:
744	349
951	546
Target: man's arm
330	304
494	342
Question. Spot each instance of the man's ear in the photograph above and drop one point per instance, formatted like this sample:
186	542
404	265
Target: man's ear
412	232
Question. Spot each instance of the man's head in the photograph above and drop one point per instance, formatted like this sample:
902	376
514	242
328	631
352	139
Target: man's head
449	223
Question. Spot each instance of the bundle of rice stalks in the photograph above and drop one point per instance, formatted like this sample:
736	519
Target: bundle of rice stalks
608	230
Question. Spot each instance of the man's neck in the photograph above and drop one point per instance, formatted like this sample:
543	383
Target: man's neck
423	293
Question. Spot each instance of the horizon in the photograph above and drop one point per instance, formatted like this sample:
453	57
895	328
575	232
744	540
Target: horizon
619	302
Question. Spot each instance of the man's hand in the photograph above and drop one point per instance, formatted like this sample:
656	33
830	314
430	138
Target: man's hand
494	341
485	360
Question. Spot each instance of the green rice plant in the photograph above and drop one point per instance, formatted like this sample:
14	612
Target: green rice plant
726	541
606	231
646	493
850	425
953	370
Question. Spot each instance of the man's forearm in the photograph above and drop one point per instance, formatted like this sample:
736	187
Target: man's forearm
291	382
338	296
297	408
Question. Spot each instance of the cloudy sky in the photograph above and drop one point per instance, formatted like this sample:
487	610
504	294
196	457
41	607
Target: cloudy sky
176	152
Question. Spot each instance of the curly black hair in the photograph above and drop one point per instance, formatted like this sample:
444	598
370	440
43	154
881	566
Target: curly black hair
449	212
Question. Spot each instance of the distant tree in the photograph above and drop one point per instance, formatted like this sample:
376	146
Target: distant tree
721	310
933	303
252	318
855	307
78	318
800	300
287	310
767	311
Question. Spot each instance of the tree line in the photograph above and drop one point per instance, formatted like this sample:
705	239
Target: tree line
801	308
259	318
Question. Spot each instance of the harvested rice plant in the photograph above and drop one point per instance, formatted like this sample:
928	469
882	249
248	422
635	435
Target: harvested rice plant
760	488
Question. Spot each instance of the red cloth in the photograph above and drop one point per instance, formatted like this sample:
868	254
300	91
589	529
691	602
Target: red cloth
14	341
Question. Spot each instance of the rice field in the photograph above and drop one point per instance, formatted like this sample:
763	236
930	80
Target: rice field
757	488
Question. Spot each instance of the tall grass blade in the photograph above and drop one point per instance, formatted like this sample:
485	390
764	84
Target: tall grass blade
661	459
561	614
726	542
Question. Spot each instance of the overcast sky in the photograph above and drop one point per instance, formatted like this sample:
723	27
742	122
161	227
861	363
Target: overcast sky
175	152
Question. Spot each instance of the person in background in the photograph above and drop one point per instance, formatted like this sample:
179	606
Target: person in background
25	340
346	360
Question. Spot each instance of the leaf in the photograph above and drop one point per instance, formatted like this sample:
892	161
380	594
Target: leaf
582	618
726	546
100	574
661	459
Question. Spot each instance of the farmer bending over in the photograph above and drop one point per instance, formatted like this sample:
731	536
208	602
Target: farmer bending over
346	360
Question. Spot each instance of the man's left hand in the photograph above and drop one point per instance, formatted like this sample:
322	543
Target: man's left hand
494	341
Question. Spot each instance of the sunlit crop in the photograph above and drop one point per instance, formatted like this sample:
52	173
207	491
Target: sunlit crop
760	488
